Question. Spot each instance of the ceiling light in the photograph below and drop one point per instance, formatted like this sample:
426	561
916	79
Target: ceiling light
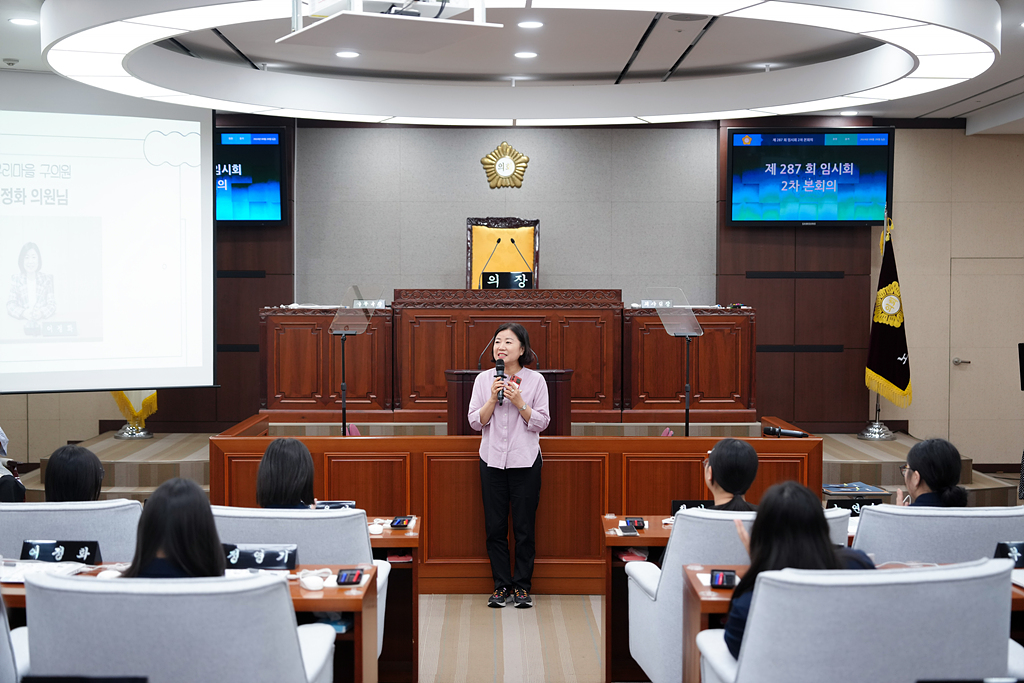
617	121
23	22
125	85
209	103
197	18
908	87
931	40
849	21
323	115
120	36
847	113
347	54
530	24
816	105
705	116
707	7
526	55
953	66
424	121
73	64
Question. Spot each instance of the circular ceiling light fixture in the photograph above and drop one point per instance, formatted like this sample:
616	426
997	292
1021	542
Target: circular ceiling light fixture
23	22
687	17
347	54
530	24
526	55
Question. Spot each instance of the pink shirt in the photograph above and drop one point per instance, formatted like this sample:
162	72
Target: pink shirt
507	439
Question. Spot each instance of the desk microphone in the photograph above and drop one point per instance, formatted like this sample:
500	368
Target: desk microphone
487	262
513	241
776	431
499	367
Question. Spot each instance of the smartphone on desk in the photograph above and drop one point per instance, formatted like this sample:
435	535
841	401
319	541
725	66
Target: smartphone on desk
628	530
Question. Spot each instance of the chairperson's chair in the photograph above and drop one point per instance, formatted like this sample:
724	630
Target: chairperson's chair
223	630
13	650
322	537
656	595
944	535
838	525
113	523
839	626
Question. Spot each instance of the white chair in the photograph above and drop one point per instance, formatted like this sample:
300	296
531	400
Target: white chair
943	535
656	595
228	630
13	650
838	525
322	537
900	626
113	523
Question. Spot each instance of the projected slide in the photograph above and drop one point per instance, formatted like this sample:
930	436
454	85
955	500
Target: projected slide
815	177
105	261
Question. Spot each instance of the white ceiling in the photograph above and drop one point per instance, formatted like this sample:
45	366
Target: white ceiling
577	47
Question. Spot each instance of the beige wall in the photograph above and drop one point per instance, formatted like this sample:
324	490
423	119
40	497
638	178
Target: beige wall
956	197
39	423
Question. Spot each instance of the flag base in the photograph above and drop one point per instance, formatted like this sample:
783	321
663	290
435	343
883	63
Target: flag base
131	432
876	431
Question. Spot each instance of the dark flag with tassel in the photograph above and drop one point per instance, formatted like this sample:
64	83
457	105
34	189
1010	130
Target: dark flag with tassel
888	369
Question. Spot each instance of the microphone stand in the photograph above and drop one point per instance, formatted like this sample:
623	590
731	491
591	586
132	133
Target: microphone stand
488	262
512	239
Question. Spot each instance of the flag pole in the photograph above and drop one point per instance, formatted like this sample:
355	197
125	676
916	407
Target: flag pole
876	431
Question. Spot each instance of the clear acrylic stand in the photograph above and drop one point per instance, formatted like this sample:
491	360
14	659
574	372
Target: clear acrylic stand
353	318
677	317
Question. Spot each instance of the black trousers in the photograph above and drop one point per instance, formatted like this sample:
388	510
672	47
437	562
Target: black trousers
519	489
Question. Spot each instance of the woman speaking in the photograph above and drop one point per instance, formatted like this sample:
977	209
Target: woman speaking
510	408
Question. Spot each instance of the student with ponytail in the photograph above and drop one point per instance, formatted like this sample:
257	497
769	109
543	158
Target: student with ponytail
932	475
728	472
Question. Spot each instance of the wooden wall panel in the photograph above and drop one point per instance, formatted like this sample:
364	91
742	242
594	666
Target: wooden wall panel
428	347
238	396
378	482
721	365
845	249
778	467
478	332
580	486
368	362
651	481
830	388
773	299
775	384
585	344
239	300
660	362
454	530
297	349
240	472
834	312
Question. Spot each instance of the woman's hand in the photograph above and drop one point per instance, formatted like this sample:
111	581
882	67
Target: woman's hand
497	385
742	532
900	500
513	394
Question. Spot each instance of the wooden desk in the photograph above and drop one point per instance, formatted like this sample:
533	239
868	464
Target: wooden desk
619	664
699	602
359	600
400	656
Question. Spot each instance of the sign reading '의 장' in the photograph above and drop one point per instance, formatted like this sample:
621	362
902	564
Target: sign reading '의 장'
505	167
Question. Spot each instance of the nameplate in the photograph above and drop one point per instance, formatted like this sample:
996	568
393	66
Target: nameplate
853	505
336	505
507	281
1013	550
678	505
255	556
86	552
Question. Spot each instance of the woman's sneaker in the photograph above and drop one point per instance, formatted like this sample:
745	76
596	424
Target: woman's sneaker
521	598
498	597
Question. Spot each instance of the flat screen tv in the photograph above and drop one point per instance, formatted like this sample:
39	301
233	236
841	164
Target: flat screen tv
816	177
248	171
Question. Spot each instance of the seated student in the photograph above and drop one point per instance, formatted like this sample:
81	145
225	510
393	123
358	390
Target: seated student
932	473
728	472
11	488
789	531
285	477
73	473
177	536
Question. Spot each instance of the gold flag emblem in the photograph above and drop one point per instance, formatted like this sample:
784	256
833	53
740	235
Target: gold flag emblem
889	306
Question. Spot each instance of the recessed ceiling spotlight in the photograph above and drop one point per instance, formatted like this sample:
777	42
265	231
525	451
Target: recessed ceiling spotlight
687	17
347	54
847	113
23	22
530	24
526	55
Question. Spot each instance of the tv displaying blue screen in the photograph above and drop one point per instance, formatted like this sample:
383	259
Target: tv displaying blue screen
247	172
809	177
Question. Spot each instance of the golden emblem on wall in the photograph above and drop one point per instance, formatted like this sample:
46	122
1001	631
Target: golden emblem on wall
505	167
888	306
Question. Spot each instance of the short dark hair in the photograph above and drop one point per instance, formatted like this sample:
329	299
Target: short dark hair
28	246
285	477
177	520
938	463
789	530
733	465
73	473
527	356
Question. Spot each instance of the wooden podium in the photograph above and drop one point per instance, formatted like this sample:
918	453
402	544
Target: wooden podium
460	391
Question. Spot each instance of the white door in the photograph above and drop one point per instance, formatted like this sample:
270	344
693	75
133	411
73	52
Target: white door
986	322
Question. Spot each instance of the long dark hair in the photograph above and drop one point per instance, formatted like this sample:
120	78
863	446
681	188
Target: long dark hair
73	473
285	477
733	465
177	519
527	356
789	531
938	463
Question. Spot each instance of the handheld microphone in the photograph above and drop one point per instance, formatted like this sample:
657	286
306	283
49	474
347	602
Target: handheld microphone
776	431
499	367
487	262
513	241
